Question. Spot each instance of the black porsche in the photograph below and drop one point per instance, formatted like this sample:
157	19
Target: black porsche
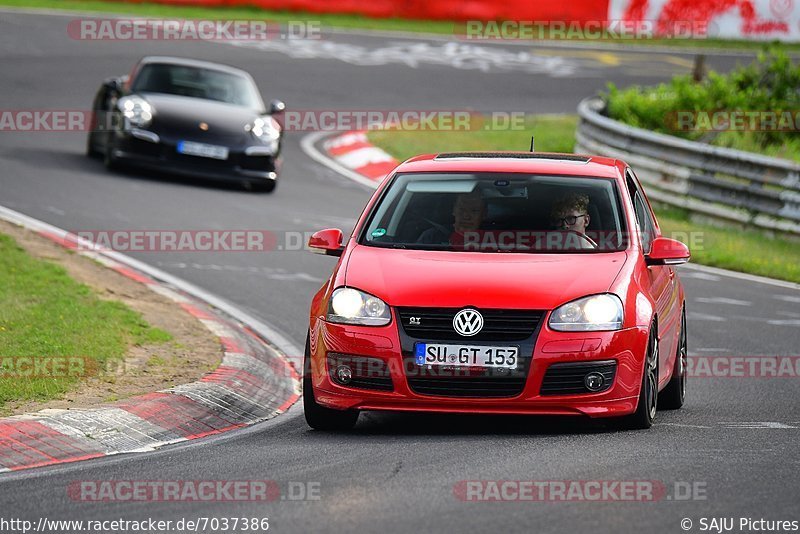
188	117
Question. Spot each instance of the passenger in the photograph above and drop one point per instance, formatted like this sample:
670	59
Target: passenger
570	213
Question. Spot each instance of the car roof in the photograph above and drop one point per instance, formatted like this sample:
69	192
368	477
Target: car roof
183	61
522	162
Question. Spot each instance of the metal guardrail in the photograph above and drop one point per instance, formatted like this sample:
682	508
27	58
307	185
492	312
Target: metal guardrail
720	183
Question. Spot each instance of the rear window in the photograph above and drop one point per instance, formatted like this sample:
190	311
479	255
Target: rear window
495	212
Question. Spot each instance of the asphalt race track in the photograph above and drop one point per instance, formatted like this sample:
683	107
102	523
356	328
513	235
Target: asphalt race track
733	440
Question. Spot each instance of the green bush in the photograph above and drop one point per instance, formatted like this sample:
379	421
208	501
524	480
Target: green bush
772	83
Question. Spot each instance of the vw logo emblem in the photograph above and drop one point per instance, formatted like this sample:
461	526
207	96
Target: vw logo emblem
468	322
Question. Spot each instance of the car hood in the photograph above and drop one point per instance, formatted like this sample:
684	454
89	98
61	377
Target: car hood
181	115
484	280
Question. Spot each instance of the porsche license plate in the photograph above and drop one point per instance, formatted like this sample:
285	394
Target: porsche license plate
203	150
466	355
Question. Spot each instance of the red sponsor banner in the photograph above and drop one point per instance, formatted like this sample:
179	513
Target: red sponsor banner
732	19
438	9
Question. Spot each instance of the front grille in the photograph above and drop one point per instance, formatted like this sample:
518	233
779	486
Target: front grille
477	386
498	325
367	373
567	378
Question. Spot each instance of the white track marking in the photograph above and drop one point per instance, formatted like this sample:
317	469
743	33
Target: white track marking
723	300
755	425
740	276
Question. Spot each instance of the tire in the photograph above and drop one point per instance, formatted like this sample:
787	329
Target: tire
91	151
674	395
319	417
647	405
111	163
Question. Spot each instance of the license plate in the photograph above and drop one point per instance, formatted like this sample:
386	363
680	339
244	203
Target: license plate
190	148
466	355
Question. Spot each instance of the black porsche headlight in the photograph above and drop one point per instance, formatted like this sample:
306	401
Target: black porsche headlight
136	110
267	131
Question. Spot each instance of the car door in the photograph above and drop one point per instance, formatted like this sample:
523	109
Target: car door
660	279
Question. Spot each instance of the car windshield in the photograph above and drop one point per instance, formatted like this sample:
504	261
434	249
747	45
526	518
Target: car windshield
197	82
497	212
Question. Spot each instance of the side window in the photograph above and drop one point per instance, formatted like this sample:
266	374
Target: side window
643	218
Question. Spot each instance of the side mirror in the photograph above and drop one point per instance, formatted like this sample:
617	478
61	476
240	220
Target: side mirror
666	251
276	106
328	242
113	86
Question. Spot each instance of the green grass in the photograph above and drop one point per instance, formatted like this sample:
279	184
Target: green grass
749	251
341	21
46	314
552	134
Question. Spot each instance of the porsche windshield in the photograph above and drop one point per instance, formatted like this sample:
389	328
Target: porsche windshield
197	82
496	212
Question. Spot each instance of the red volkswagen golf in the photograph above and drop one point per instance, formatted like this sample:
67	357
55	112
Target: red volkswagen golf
513	283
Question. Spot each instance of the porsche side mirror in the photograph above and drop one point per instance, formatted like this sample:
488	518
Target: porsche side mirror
328	242
113	86
276	106
666	251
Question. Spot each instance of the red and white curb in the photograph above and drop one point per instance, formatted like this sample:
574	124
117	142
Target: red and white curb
352	155
254	382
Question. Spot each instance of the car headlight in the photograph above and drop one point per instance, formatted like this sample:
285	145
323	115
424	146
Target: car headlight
136	110
597	312
351	306
266	130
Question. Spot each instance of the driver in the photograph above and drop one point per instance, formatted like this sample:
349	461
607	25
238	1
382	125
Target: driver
570	213
469	211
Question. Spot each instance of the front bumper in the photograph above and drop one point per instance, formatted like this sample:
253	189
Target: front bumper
624	347
162	155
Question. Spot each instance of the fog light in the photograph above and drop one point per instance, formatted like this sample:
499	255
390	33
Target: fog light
594	381
344	374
